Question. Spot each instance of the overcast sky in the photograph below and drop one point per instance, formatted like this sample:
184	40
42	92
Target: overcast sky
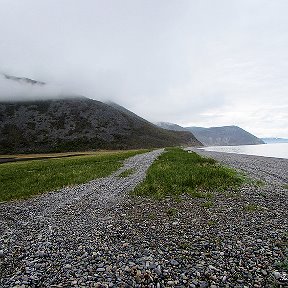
190	62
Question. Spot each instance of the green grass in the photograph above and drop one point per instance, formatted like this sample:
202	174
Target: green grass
151	216
251	208
283	264
27	178
178	172
171	212
259	183
207	204
285	186
127	173
211	223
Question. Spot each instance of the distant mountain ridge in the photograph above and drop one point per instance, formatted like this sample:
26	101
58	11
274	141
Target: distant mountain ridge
77	124
274	140
217	136
171	126
224	136
23	80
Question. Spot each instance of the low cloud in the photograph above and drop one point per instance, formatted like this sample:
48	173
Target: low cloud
15	90
204	63
102	86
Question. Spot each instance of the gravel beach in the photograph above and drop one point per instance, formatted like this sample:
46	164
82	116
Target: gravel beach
96	235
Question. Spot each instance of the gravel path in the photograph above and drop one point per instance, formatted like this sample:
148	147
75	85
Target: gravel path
42	237
95	235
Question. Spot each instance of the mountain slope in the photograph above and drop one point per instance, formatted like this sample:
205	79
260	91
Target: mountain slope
217	136
274	140
136	118
224	136
78	124
170	126
126	111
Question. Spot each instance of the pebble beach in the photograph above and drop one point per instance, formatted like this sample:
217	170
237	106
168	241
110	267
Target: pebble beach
97	235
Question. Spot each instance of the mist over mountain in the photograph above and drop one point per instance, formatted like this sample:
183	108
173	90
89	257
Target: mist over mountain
217	136
78	124
47	119
15	88
23	80
208	63
170	126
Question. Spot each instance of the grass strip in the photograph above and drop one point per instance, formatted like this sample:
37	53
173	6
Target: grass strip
126	173
27	178
178	172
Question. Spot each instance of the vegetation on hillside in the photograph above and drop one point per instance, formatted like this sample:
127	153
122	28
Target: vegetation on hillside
79	124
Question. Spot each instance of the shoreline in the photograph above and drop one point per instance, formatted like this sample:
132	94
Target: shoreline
276	150
238	240
260	167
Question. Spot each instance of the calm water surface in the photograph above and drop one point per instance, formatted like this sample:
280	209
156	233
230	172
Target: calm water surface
278	150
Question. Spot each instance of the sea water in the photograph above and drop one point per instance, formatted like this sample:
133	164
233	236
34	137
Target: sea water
277	150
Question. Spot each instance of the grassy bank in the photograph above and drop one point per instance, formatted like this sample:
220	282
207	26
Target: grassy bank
178	172
23	179
48	155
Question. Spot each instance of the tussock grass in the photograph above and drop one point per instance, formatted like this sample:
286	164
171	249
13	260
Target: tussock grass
178	172
283	264
211	223
127	173
207	204
251	207
171	212
27	178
